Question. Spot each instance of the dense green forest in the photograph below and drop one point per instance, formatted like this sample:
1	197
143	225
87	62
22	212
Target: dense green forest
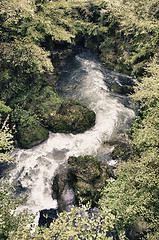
37	36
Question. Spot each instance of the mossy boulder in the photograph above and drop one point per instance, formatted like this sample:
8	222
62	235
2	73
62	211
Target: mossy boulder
30	132
86	176
124	151
48	112
89	178
72	117
46	104
32	135
60	115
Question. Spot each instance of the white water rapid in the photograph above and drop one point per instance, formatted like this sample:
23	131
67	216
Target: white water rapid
83	78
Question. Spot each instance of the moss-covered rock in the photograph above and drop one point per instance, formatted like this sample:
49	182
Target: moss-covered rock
31	135
85	175
72	117
124	151
89	178
30	132
47	111
46	103
60	115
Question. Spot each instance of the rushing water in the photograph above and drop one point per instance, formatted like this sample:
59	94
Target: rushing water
86	79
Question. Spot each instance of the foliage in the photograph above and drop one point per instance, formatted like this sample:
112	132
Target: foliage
125	34
132	198
6	142
9	221
25	28
147	91
8	202
4	110
6	134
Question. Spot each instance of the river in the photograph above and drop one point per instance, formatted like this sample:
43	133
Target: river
84	78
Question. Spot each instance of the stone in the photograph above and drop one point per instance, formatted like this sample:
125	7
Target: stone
86	176
64	116
71	117
30	131
123	90
91	177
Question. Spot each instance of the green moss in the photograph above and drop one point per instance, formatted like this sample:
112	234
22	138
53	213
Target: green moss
31	135
29	130
124	151
65	115
46	103
48	111
89	178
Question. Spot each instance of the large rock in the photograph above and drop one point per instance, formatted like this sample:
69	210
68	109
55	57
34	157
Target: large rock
30	132
62	190
124	86
86	176
48	112
124	151
90	178
72	117
60	115
123	90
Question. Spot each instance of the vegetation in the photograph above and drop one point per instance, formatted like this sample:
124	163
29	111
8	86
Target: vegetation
86	175
37	35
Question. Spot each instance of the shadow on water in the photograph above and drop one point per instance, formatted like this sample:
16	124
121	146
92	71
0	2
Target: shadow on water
5	168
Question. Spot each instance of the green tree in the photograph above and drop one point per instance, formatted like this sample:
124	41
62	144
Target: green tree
27	29
125	33
6	137
9	220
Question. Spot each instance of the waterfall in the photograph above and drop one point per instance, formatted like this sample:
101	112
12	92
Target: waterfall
86	79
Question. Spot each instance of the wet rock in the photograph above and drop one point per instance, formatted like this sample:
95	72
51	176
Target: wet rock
48	112
30	131
123	86
123	147
90	178
123	90
71	117
60	115
68	197
32	135
86	176
124	151
63	192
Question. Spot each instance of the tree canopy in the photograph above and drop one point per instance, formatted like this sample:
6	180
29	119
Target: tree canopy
125	34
